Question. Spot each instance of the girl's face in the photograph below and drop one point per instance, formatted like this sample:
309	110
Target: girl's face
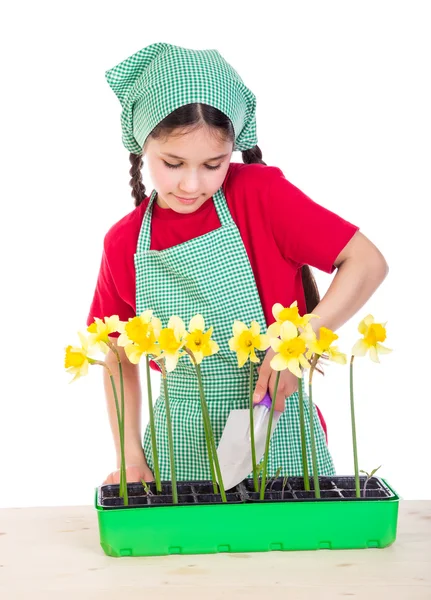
188	169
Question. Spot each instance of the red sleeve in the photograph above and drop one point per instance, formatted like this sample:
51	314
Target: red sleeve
106	300
306	232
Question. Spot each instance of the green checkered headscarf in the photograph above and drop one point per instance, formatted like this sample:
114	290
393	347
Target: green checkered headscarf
160	78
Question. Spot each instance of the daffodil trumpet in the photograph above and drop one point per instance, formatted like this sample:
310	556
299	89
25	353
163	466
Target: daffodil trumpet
312	437
268	438
303	436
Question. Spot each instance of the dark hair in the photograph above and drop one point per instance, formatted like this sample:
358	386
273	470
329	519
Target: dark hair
192	116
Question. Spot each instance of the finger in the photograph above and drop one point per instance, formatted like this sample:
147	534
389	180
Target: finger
263	380
108	480
280	399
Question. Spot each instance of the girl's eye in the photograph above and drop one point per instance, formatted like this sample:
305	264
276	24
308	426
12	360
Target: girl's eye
176	166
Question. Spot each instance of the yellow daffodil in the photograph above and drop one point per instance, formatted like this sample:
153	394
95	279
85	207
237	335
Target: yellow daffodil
198	342
76	359
245	341
99	332
139	336
373	334
290	313
171	341
290	348
323	344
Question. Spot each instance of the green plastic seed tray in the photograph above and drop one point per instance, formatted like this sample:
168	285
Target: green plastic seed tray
289	518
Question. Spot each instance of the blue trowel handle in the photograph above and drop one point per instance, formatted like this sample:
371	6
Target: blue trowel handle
260	410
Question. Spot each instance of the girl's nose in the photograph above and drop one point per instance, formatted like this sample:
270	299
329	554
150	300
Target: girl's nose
190	185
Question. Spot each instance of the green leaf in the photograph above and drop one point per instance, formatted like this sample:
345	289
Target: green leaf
375	471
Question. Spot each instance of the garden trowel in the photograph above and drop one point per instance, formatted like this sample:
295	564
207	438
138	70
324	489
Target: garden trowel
234	449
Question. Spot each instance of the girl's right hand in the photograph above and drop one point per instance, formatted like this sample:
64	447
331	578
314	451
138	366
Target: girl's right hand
134	473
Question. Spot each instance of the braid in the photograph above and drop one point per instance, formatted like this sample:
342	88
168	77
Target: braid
138	188
252	156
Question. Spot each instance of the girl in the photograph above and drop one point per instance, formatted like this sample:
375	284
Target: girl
225	240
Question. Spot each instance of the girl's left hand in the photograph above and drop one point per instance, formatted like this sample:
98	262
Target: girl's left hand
287	384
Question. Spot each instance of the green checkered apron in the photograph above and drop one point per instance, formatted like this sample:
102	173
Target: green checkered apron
211	275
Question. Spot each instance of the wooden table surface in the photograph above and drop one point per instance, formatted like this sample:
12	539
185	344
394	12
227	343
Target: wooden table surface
55	552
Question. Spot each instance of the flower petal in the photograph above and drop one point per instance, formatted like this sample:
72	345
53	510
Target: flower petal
171	361
275	344
197	322
288	331
278	363
382	349
293	366
255	328
273	330
303	361
238	327
262	342
360	348
242	357
373	354
276	310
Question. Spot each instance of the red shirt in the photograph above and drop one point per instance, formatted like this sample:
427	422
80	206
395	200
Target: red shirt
281	228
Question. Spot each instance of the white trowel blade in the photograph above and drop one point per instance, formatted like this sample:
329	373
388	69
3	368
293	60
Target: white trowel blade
234	449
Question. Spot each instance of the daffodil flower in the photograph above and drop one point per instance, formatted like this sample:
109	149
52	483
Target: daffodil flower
172	340
198	342
246	341
290	349
198	345
76	360
373	334
289	313
139	336
323	345
316	348
99	332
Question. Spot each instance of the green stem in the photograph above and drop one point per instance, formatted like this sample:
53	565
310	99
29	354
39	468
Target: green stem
123	489
211	434
268	438
253	447
303	437
207	433
170	439
313	441
153	429
355	448
207	428
123	453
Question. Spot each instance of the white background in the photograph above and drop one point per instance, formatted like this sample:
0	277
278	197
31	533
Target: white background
343	108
